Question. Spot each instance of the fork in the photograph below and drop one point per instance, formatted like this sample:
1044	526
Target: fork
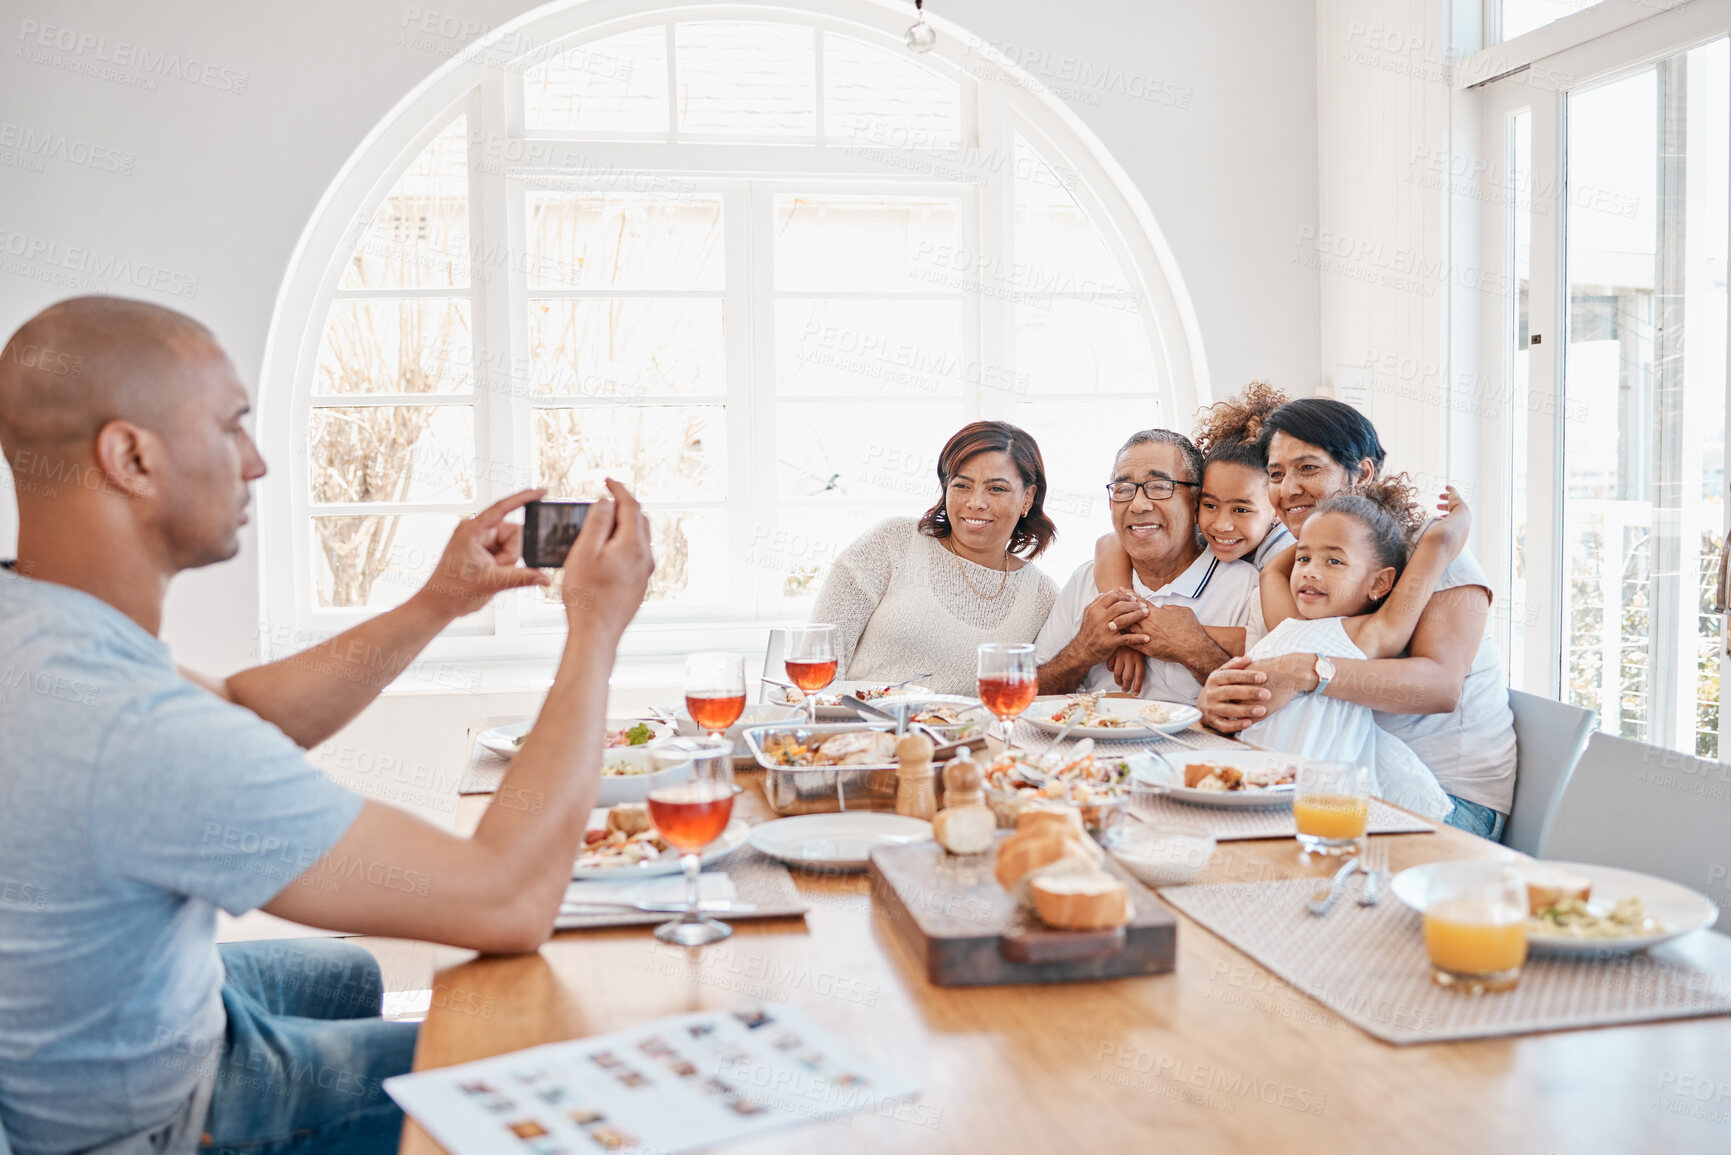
1375	867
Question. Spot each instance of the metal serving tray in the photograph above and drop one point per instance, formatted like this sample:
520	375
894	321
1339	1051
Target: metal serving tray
813	789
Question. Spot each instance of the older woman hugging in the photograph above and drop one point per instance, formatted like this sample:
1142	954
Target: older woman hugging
916	596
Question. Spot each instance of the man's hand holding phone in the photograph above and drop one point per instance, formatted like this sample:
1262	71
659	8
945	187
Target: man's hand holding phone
607	571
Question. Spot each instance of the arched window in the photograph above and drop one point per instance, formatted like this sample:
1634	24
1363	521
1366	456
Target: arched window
758	265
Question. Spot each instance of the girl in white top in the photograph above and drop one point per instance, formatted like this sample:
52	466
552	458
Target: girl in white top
1355	594
918	596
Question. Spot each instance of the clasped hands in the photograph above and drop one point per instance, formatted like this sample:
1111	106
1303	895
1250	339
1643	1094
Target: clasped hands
1122	629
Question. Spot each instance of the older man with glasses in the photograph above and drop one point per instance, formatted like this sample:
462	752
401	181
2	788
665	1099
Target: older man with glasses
1180	589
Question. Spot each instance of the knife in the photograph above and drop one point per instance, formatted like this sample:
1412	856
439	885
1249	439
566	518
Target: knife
659	907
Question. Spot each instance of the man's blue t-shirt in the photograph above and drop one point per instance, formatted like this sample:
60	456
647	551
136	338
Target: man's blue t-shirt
133	804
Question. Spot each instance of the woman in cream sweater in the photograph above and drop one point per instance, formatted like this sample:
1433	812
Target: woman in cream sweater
918	596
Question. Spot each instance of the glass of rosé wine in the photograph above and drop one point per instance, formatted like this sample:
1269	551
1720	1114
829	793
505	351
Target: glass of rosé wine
714	691
811	663
1009	681
691	794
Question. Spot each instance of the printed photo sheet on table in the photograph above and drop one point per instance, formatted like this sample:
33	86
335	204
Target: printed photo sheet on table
673	1084
1368	965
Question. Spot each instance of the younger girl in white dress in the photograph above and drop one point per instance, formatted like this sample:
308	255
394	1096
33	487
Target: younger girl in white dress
1355	593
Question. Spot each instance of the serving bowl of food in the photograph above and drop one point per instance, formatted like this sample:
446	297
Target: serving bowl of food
833	766
1099	787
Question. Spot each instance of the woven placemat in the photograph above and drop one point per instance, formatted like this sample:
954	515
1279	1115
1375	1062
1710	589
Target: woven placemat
757	879
1368	965
1225	824
1274	822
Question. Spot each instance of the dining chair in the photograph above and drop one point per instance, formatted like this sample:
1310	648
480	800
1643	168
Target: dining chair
772	663
1549	738
1642	808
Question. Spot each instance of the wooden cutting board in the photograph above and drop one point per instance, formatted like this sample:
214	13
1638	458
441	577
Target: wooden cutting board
968	931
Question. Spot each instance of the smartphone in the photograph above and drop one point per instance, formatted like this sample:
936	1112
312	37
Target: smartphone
549	529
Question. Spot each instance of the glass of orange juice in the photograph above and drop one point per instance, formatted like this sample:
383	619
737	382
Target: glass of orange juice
1331	806
1475	927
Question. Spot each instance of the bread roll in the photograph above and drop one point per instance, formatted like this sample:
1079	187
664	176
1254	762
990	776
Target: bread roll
965	829
630	818
1073	897
1547	886
1051	818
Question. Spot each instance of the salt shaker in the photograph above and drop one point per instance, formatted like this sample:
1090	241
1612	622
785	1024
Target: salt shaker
962	781
916	796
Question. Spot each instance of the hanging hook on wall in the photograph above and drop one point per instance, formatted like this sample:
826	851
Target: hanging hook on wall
921	36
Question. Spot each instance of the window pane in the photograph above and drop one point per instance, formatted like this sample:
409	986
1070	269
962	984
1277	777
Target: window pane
827	348
795	549
1644	413
847	452
746	77
419	238
886	99
626	347
1078	441
1058	247
618	84
392	453
663	452
597	241
1525	15
395	347
1084	347
375	562
869	244
1520	226
687	544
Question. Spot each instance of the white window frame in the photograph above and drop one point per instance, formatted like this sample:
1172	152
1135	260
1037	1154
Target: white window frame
1585	64
491	97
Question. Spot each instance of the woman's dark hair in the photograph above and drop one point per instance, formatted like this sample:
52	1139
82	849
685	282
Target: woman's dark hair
1389	508
1230	431
1335	427
1035	531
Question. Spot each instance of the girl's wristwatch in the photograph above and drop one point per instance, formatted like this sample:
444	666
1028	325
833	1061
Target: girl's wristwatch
1324	673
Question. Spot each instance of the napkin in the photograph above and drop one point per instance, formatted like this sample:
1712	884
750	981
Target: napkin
712	886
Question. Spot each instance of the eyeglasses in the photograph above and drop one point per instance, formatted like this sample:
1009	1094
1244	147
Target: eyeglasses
1157	489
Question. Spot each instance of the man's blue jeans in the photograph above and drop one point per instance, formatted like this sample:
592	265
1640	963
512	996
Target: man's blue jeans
1476	819
306	1053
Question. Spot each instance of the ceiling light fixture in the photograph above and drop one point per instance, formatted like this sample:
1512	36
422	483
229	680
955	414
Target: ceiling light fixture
921	36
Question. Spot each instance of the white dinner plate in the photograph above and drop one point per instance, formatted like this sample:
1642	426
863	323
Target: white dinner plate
833	692
1179	717
1170	773
976	719
504	740
735	836
836	841
1680	909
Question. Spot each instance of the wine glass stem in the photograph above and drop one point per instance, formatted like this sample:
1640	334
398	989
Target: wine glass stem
692	864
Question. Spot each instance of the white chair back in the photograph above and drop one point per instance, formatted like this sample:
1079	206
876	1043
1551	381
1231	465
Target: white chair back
772	664
1549	738
1642	808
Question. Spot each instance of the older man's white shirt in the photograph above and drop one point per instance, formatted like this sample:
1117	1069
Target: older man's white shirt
1218	593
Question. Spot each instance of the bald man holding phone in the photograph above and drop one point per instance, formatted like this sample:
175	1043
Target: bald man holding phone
137	799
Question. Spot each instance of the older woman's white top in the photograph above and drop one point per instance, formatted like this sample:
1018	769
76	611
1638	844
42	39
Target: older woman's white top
902	604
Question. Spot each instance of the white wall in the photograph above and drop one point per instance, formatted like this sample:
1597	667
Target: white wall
221	165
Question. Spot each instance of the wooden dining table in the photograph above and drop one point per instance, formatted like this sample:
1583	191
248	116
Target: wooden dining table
1218	1056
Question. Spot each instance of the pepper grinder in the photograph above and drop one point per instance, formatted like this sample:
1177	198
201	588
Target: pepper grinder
916	796
963	780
